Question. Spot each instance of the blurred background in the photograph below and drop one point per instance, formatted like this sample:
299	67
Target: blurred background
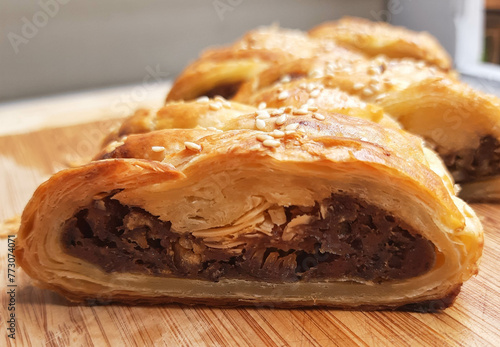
60	46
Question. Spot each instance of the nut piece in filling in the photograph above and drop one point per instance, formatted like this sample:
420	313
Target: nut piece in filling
340	237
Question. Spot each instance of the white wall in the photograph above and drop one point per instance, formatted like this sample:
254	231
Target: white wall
76	44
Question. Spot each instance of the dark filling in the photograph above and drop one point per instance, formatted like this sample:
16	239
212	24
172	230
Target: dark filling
227	91
474	164
352	240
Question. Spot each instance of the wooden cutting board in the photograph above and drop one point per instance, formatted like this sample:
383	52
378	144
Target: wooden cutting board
45	318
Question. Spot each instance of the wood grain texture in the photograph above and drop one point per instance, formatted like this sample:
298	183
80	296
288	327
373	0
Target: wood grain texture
44	318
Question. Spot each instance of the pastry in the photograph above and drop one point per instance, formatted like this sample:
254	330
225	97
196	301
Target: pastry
283	207
379	38
312	94
423	96
461	124
220	71
203	113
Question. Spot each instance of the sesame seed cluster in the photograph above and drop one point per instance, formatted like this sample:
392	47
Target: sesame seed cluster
273	125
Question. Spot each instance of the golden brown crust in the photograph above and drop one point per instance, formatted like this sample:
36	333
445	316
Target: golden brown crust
204	113
375	38
425	101
255	52
347	39
313	94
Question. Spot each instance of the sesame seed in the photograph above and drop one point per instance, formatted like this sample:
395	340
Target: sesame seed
300	111
358	86
388	83
202	99
288	109
315	93
277	112
264	137
318	116
263	114
373	70
116	144
285	79
367	92
292	126
312	108
315	73
157	148
271	143
262	106
260	124
192	146
310	87
288	132
283	95
310	101
215	106
281	120
301	131
277	133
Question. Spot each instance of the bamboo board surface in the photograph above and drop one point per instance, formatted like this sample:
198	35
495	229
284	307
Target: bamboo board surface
44	318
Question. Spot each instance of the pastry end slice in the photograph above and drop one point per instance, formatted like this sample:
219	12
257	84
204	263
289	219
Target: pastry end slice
298	211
